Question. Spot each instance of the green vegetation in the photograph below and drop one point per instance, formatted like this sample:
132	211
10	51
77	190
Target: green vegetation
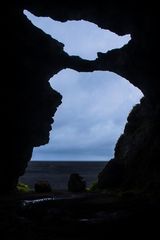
22	187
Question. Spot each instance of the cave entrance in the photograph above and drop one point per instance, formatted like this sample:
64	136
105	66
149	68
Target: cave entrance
95	105
91	117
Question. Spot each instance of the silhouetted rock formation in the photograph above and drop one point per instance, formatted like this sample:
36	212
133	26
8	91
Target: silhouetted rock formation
76	183
136	163
32	57
42	187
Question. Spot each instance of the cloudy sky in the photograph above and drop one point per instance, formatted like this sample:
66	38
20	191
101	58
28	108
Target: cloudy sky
95	105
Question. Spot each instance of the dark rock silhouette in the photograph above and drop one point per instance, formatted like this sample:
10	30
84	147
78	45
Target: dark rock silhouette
76	183
112	176
42	187
28	101
137	152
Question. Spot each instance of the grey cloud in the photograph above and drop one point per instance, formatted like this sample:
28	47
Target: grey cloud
92	116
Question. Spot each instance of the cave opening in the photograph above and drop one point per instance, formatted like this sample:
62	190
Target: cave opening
127	191
93	112
95	105
87	128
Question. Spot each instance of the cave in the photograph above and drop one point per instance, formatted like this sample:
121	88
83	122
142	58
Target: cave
29	60
88	128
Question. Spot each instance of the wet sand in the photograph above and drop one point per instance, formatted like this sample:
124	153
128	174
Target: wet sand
57	173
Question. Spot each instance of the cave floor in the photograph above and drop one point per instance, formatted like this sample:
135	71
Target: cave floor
64	215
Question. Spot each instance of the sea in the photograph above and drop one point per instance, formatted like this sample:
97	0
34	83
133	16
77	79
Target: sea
57	173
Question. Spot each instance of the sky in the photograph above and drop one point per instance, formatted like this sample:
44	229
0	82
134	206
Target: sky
95	105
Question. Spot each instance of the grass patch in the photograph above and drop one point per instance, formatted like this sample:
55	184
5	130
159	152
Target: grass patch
22	187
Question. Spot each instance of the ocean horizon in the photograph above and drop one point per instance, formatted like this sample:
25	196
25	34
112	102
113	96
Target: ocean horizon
57	173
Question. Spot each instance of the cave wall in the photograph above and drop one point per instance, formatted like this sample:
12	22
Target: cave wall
31	58
136	160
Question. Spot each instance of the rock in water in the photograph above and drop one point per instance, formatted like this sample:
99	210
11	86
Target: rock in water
76	183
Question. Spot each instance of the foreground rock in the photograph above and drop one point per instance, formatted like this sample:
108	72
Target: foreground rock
76	183
82	216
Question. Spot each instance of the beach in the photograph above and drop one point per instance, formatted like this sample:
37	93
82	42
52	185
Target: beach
57	173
